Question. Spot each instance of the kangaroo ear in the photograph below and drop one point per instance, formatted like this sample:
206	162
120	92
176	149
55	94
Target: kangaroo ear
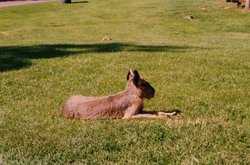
130	74
134	75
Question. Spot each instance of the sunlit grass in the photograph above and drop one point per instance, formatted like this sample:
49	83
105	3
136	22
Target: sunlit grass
51	51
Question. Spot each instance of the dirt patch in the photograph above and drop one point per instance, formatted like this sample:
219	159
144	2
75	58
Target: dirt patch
19	2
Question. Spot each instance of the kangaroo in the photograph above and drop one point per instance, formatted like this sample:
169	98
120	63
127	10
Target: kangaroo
123	105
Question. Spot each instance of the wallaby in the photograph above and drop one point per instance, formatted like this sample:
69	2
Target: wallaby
123	105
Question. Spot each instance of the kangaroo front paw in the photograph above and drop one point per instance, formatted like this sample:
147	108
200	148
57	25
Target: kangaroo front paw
166	113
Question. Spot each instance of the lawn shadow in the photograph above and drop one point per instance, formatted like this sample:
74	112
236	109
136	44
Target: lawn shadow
16	57
79	2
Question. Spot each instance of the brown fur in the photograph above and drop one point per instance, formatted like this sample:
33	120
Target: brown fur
125	104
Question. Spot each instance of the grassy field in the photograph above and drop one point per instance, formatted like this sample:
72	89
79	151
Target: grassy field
51	51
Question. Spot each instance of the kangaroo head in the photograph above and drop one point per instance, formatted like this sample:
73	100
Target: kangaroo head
139	86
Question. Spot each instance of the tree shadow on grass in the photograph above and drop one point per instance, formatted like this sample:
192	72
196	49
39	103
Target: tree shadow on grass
16	57
77	2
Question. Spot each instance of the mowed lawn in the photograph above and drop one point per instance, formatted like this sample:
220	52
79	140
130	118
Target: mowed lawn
201	67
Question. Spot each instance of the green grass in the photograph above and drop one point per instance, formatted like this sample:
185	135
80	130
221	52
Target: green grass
51	51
